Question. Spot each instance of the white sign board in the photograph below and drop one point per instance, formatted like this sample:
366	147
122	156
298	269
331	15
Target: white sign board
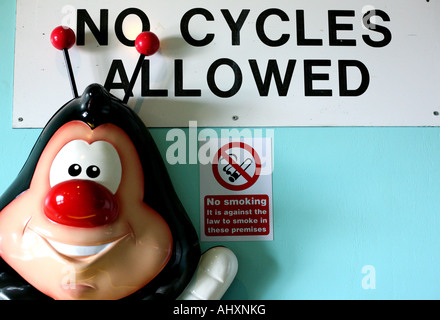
239	63
236	190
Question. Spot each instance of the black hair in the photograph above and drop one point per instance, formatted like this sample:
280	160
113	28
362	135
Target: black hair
96	107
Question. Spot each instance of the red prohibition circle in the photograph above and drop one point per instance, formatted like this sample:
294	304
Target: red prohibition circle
250	180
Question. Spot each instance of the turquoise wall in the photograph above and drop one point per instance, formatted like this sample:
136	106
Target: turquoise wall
344	198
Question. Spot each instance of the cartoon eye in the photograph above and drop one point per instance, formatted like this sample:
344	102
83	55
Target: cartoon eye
74	170
98	161
93	172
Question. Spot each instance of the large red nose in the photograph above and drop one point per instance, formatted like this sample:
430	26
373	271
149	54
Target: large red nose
81	203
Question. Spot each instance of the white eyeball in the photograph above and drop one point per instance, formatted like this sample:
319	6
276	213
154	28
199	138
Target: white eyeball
98	162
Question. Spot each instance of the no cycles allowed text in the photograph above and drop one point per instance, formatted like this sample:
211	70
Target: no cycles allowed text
375	36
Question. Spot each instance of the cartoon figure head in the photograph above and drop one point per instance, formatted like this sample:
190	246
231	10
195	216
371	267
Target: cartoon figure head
93	214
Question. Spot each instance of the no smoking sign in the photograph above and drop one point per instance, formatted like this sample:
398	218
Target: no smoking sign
236	166
236	190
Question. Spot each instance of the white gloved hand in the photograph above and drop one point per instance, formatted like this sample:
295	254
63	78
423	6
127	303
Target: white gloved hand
217	269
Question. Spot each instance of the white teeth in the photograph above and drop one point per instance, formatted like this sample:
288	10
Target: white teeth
77	251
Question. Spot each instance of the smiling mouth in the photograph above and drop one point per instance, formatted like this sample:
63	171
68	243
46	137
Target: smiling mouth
79	251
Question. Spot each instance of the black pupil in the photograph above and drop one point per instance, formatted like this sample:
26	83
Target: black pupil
93	171
75	170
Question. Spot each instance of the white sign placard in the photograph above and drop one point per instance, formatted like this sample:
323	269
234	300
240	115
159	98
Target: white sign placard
239	63
236	190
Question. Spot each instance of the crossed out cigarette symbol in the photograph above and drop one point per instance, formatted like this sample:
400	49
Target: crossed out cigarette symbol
236	168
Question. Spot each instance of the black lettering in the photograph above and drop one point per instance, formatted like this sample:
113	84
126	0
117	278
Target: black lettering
184	27
145	89
238	78
235	26
261	20
309	77
83	19
334	27
178	82
117	67
120	21
343	81
377	28
300	30
273	71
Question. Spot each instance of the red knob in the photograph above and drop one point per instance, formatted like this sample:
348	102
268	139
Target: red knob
147	43
63	38
81	203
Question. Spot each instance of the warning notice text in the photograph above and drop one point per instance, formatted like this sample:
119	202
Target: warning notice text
236	215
